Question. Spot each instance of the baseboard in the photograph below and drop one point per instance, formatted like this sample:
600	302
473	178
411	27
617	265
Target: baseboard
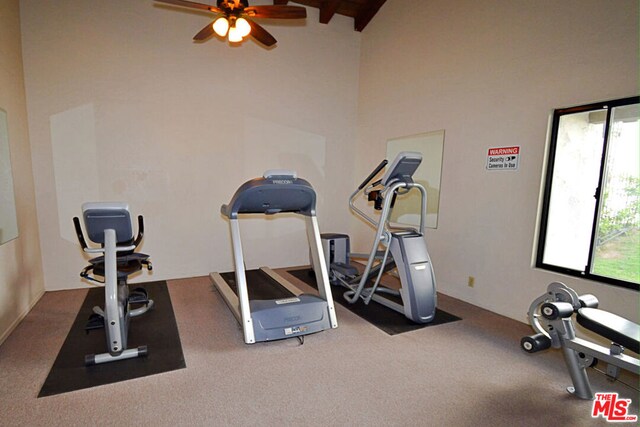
20	317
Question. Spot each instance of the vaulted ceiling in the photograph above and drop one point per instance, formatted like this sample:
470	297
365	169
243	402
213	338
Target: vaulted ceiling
362	11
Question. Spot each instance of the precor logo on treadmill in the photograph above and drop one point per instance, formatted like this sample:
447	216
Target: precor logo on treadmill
609	407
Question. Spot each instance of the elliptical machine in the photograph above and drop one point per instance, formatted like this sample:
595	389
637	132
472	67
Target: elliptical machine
394	247
109	225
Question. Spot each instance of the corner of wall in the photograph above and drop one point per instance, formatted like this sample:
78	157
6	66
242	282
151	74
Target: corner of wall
21	259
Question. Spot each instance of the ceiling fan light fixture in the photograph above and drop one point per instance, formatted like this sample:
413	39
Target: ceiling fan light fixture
221	26
227	12
234	35
243	27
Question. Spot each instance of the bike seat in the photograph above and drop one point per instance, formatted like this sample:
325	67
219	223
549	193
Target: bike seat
611	326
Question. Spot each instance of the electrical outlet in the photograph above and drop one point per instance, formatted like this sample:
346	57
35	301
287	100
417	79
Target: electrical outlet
471	281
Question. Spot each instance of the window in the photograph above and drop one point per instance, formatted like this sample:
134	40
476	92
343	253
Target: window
590	222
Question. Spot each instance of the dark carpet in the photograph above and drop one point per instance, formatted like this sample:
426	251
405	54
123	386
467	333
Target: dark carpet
156	329
388	320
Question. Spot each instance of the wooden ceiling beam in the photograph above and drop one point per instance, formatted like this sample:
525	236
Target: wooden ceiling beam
362	11
366	14
327	10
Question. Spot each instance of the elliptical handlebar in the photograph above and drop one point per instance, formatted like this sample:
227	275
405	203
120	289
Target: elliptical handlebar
373	174
366	181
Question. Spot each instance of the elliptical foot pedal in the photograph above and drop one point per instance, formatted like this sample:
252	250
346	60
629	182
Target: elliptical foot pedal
344	269
138	296
95	322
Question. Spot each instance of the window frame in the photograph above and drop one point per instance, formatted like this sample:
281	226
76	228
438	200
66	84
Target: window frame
548	183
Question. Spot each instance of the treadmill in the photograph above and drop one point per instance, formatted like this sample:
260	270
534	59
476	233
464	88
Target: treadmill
267	305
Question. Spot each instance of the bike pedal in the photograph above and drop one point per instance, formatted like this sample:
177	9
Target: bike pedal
95	322
138	296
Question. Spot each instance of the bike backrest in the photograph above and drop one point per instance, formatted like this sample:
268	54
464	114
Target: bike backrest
101	216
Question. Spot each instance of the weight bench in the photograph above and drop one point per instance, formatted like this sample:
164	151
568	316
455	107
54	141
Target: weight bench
611	326
109	225
551	317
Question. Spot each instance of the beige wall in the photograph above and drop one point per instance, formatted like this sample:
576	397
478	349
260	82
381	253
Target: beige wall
124	106
489	73
21	283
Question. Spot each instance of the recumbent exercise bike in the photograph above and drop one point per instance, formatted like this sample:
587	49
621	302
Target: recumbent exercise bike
109	225
551	317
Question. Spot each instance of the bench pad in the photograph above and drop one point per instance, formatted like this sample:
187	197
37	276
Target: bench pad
611	326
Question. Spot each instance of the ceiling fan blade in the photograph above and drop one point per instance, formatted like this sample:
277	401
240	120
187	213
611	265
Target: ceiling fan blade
191	4
260	34
280	12
205	33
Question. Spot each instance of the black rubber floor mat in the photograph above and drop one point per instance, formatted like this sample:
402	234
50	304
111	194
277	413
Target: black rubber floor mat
378	315
156	329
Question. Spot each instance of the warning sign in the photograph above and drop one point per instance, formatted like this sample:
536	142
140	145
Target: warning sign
503	158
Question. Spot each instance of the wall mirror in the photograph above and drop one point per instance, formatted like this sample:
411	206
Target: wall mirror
8	218
407	207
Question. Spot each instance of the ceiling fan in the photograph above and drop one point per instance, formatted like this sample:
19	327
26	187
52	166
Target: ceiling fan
234	19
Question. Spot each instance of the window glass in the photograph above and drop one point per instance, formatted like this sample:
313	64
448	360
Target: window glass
617	246
590	220
575	179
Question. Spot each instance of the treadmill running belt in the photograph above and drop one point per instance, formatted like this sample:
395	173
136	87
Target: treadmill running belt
259	285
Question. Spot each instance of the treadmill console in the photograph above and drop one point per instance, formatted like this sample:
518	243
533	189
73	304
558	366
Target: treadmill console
274	174
277	191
